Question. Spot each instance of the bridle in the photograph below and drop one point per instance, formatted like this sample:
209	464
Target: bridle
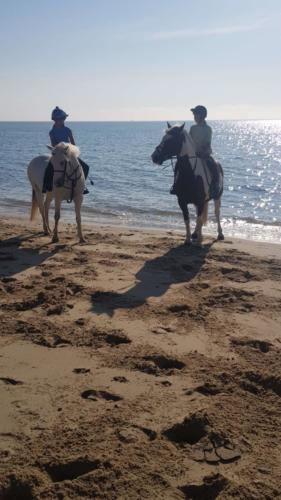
71	178
176	158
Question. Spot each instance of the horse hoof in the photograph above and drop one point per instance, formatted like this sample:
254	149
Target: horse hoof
194	236
198	244
82	240
187	243
220	237
55	239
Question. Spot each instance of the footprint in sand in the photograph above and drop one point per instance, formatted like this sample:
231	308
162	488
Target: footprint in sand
136	433
120	379
73	469
211	487
81	370
94	395
10	381
261	345
157	364
209	446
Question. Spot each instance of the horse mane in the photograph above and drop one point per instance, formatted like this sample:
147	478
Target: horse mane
69	149
173	127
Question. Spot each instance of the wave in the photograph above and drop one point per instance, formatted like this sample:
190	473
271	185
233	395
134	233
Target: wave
128	212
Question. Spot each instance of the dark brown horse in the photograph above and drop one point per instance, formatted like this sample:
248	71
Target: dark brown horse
195	178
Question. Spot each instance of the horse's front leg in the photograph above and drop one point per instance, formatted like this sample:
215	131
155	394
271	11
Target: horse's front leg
184	208
217	214
47	203
202	216
78	204
55	238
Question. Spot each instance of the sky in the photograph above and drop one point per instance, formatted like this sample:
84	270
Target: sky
140	59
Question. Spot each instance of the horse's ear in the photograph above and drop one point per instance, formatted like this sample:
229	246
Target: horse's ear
182	126
169	125
66	149
50	147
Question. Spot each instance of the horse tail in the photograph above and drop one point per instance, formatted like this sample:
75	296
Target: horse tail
205	214
34	205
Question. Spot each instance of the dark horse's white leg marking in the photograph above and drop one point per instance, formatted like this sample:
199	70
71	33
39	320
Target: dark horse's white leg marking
184	208
217	214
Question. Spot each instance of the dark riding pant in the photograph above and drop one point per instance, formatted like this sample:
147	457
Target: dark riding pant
212	166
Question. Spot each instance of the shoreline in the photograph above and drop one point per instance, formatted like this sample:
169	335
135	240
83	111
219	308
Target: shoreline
134	367
255	232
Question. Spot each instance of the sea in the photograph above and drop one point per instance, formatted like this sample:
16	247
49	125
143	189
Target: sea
129	190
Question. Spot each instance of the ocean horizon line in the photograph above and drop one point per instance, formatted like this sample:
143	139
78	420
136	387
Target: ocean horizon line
148	121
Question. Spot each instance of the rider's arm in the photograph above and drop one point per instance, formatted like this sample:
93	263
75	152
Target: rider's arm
52	139
71	138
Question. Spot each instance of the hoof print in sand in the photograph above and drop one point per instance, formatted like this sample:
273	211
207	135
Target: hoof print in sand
190	431
96	395
55	310
120	379
10	381
136	433
211	487
179	308
115	339
30	304
208	389
53	341
158	364
81	370
237	275
17	489
260	345
210	447
112	338
262	381
71	470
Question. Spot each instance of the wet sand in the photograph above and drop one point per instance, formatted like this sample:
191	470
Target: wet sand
132	367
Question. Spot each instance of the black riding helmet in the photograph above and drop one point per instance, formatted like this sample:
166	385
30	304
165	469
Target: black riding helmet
200	110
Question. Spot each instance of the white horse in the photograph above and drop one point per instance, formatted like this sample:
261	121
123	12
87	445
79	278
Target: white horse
68	184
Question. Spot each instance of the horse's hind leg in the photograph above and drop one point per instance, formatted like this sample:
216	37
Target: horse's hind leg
47	203
184	208
40	201
78	204
217	214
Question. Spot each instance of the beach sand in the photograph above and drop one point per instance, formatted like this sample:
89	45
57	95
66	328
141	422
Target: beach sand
132	367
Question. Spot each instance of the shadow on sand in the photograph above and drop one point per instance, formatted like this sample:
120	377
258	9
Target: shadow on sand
14	258
178	265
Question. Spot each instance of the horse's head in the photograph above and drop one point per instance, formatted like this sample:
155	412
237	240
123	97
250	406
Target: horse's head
65	162
170	144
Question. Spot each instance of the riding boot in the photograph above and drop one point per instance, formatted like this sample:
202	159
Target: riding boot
86	169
